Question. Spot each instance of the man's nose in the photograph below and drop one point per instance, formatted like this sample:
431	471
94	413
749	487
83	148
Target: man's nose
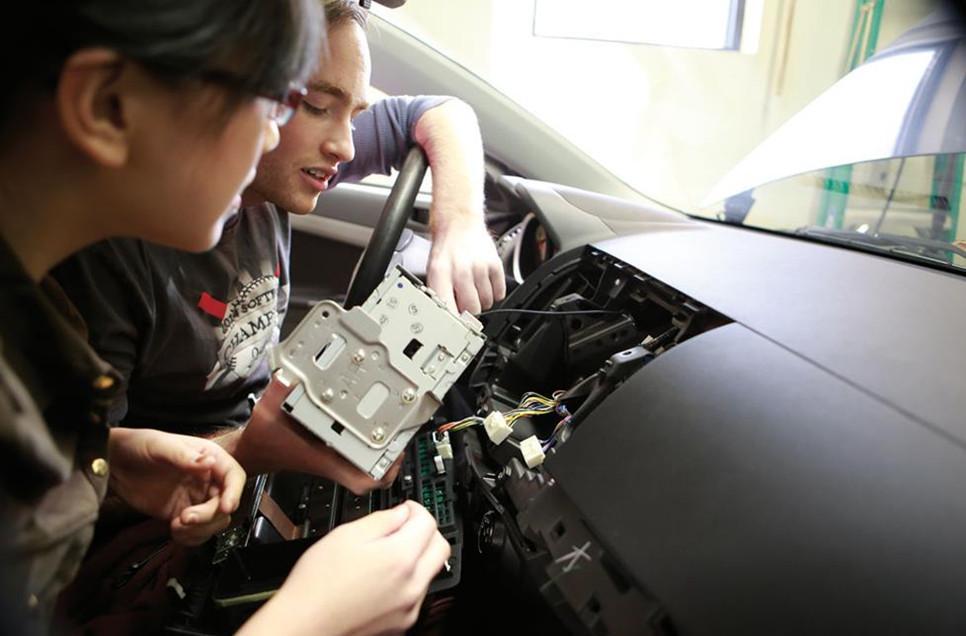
339	145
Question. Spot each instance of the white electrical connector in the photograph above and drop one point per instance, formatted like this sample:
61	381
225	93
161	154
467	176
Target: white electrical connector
532	451
440	466
443	447
496	427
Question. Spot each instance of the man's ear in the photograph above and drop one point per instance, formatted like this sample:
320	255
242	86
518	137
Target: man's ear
90	103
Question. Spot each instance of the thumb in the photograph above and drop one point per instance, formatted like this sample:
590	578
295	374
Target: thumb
274	394
380	524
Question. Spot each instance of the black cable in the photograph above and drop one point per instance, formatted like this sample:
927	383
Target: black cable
549	312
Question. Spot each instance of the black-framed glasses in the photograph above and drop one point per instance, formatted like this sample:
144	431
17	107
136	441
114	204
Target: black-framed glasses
284	103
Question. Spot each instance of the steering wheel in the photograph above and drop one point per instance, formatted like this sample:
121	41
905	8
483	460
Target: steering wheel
392	222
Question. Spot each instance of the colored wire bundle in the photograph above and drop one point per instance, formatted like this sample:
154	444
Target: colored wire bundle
459	425
532	404
564	413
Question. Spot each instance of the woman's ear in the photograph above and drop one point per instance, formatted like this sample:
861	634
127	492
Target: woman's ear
91	105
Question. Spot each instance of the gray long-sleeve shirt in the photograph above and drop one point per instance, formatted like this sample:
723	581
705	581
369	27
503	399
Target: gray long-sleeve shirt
190	333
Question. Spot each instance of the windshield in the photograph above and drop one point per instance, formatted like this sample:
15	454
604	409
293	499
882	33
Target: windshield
904	207
666	95
671	97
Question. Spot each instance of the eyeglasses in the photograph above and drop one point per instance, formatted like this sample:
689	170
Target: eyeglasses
284	103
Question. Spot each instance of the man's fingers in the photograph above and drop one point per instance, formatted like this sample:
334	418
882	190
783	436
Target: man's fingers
274	394
339	470
467	297
392	473
356	481
484	288
498	282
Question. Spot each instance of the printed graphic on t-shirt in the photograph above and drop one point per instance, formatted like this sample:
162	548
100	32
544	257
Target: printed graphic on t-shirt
249	325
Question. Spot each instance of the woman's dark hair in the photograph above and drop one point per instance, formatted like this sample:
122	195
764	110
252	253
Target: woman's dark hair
266	44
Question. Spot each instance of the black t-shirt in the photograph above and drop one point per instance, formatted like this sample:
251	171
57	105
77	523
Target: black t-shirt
188	331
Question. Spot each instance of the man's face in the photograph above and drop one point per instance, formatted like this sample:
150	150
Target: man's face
319	137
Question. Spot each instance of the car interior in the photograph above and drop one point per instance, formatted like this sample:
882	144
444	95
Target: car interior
739	429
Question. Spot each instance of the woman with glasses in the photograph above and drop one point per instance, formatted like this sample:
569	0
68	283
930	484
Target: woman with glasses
118	120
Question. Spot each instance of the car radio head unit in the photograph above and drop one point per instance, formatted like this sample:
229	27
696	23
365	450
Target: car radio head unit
365	379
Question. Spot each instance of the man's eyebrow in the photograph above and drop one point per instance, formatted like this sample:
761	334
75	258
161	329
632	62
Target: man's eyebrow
320	86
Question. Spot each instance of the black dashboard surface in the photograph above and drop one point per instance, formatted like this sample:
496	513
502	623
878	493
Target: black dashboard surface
752	492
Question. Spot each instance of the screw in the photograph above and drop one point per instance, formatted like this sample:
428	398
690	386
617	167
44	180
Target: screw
378	434
408	395
328	395
359	356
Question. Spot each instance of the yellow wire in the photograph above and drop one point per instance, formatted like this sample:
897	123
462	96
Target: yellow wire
532	403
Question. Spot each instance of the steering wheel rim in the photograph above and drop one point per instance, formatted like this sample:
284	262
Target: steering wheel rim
389	228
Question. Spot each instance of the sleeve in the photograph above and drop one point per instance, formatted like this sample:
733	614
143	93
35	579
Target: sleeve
110	285
30	460
383	135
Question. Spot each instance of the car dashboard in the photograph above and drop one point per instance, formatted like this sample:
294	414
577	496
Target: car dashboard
722	454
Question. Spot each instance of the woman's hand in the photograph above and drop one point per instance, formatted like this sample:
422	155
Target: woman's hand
365	577
191	482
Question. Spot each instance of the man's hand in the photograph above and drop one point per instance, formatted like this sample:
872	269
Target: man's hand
192	483
464	268
273	441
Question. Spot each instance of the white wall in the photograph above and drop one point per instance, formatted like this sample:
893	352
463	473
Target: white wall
668	121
